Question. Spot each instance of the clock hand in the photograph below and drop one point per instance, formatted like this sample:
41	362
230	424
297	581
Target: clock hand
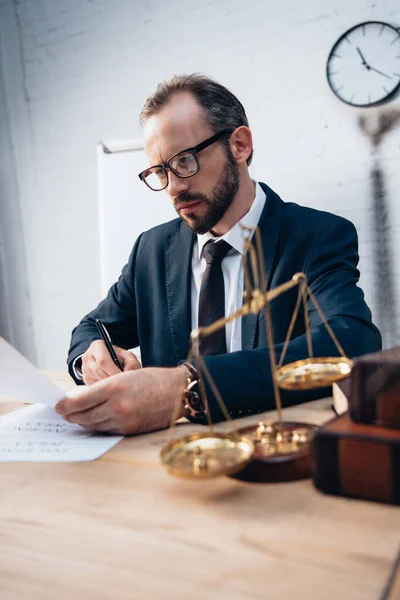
380	72
364	62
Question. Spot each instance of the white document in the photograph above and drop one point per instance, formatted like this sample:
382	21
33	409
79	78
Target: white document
21	380
37	434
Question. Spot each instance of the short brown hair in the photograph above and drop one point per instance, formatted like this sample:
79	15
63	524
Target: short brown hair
222	109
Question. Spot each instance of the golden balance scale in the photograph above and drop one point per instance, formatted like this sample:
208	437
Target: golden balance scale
268	450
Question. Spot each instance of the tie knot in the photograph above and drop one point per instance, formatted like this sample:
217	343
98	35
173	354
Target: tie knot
215	252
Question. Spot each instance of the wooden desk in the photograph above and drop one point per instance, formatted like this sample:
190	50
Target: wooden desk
121	528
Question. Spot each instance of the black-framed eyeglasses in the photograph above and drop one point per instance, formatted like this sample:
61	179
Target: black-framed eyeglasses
184	164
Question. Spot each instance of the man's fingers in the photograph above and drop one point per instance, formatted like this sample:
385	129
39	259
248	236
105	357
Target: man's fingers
90	397
107	426
104	362
130	362
97	363
91	372
91	418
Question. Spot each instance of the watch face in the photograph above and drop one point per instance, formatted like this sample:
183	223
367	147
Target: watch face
363	67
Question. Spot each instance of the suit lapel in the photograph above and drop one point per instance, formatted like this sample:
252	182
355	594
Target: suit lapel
269	224
178	263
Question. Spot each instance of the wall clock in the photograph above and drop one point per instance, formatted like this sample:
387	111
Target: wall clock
363	67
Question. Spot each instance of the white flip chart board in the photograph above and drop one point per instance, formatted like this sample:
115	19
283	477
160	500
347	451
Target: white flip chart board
126	206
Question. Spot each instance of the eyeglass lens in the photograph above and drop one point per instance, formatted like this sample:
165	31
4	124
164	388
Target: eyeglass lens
183	165
156	178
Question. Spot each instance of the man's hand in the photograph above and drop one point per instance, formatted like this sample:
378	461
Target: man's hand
128	403
97	363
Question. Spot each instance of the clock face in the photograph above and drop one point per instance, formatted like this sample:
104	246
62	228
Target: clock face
363	67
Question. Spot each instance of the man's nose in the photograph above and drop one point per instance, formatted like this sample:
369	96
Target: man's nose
176	185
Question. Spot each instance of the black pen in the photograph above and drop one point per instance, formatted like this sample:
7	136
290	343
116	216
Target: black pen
107	340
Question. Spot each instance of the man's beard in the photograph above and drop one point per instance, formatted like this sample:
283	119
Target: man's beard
222	196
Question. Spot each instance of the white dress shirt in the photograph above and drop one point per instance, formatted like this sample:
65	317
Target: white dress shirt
232	269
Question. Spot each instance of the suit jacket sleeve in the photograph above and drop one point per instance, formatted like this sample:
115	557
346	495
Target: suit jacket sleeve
244	378
118	313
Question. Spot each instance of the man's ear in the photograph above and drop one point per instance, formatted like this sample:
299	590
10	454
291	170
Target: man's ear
241	144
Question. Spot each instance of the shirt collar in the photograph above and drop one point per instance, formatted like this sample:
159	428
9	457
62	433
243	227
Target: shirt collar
235	236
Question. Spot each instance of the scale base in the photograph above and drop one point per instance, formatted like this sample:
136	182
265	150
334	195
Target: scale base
279	454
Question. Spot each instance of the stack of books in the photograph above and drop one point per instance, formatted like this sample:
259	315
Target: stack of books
357	454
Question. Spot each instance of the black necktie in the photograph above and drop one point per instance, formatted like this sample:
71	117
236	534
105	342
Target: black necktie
212	297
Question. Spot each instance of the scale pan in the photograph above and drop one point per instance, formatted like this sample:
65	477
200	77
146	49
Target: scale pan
313	373
206	455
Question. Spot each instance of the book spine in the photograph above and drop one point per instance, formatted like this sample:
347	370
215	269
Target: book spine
359	468
375	394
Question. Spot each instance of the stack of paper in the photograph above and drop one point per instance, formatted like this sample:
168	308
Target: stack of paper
36	433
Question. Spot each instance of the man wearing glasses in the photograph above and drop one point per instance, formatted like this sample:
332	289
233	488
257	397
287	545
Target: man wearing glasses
188	273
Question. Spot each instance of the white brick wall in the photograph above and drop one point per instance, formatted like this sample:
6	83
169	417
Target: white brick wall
77	71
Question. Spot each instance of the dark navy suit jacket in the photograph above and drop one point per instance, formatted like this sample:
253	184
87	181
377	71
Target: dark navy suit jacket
150	305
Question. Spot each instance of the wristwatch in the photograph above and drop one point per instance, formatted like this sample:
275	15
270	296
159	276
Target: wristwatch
192	401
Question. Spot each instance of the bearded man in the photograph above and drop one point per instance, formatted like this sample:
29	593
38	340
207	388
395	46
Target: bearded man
189	272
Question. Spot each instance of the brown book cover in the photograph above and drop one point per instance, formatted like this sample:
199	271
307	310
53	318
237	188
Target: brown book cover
357	460
374	396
